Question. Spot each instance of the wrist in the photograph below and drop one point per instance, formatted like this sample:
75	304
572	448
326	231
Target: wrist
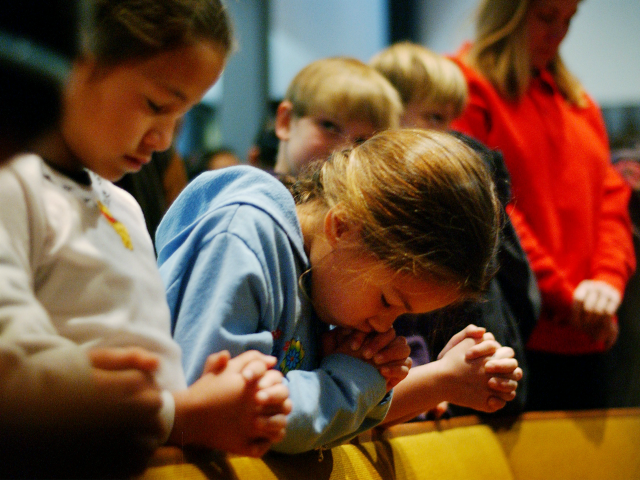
182	429
444	379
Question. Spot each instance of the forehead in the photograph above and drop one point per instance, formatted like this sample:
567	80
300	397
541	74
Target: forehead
425	107
186	72
346	124
417	294
421	296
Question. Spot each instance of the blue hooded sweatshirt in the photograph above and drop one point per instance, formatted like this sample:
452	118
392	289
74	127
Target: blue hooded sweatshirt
230	252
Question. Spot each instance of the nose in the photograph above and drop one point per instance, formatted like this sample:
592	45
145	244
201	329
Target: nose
383	321
351	140
340	143
159	137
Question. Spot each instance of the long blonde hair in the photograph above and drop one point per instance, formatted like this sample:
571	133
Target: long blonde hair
424	201
501	54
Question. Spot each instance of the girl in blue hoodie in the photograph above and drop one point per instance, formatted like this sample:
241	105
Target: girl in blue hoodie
406	222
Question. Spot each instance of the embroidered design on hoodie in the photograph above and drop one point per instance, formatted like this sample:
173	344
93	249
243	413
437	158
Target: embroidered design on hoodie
294	353
120	229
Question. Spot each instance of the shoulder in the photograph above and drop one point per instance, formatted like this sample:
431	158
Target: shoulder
479	85
249	197
22	168
460	59
592	108
23	180
235	183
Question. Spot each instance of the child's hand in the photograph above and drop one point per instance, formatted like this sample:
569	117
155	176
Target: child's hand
238	405
126	395
439	411
272	397
502	364
385	351
506	375
274	405
334	340
470	331
483	374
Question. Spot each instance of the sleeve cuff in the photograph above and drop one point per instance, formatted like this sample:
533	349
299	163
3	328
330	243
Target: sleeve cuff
167	415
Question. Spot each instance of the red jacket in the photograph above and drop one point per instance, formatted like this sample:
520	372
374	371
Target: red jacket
569	207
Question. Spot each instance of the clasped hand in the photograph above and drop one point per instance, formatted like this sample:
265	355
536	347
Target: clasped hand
485	374
594	305
388	353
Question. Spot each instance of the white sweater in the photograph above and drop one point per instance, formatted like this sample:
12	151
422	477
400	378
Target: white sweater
77	268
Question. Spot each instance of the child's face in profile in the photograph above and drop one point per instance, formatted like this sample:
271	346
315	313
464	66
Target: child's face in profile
361	293
313	137
420	115
116	117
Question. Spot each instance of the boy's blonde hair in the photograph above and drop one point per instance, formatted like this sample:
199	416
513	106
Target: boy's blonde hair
345	88
424	201
500	52
422	76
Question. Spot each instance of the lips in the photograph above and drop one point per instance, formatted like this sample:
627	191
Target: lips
137	161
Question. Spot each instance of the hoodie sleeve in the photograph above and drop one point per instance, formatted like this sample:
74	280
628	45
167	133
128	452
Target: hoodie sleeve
223	296
333	404
216	302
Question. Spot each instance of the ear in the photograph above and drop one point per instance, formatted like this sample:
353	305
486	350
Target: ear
253	155
336	228
284	114
83	70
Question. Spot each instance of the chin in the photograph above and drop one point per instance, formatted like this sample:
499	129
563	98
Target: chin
112	176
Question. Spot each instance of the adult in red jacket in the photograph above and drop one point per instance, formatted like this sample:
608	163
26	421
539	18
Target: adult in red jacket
569	206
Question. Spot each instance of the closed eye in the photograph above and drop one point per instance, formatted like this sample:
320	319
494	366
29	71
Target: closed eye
154	107
329	126
384	302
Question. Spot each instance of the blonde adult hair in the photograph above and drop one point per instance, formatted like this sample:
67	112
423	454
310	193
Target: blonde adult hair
500	51
423	200
345	88
422	76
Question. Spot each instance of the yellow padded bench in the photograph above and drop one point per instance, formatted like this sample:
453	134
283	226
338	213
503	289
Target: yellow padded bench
598	445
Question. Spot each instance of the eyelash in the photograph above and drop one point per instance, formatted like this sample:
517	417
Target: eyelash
329	126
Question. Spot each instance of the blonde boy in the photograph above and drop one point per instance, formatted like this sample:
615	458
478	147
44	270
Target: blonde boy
332	103
432	87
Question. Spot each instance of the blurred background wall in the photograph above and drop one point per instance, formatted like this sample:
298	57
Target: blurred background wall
276	38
